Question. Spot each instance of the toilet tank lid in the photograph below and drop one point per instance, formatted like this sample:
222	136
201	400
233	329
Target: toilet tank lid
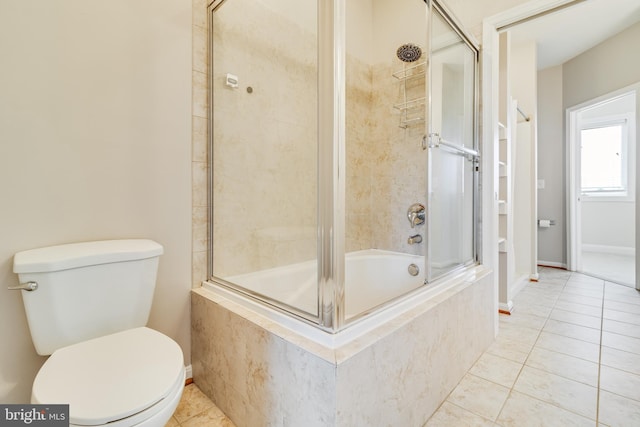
74	255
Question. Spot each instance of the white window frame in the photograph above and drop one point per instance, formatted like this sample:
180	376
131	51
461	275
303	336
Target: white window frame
628	154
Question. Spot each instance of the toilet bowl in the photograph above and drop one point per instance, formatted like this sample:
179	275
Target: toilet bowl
134	377
87	305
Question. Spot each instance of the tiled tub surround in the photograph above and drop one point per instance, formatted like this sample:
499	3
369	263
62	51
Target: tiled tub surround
259	372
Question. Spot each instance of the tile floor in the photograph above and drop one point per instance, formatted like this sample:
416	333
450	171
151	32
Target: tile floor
569	355
196	410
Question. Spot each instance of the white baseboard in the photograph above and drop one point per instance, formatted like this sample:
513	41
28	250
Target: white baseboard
555	264
506	307
188	372
616	250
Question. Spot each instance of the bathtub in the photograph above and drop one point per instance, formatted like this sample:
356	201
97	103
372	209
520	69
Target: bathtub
372	278
378	289
393	366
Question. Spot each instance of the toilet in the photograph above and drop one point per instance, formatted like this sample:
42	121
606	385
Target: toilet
88	312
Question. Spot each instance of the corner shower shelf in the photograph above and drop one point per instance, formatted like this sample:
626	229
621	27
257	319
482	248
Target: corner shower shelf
404	124
416	70
412	109
412	104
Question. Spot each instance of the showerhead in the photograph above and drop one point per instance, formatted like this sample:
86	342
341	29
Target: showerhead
409	52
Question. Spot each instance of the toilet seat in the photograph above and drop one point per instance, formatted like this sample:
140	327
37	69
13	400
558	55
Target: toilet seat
120	379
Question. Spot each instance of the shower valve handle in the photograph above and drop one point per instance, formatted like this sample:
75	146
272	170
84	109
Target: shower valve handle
416	214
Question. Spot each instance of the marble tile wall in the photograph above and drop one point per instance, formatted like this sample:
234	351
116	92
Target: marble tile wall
385	165
399	164
256	377
199	143
265	133
398	374
258	222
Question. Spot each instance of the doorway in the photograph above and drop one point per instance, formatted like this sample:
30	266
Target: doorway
602	180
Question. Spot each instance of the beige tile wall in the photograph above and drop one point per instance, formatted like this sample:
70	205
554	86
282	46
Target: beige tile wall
260	227
397	374
199	155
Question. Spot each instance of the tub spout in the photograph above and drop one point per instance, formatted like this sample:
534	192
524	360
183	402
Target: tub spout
414	239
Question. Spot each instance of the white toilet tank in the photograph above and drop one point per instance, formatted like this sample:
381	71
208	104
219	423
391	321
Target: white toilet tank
87	290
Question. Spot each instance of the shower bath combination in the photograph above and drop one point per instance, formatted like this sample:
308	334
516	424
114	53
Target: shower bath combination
336	263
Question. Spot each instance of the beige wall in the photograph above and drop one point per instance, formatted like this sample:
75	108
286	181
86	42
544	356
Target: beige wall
95	143
605	68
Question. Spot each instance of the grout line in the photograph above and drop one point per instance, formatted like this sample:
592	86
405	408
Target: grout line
604	289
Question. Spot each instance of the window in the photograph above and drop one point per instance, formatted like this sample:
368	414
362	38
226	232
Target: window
605	159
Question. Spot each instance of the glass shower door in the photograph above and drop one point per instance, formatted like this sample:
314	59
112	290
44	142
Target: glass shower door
452	145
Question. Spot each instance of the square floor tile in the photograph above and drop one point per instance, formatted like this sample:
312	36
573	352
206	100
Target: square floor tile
525	320
193	402
571	330
622	306
618	411
533	309
622	360
622	328
580	299
564	365
213	417
565	393
581	290
621	316
583	278
613	289
521	410
572	347
621	342
496	369
449	415
576	318
623	297
620	382
573	307
480	396
518	333
509	348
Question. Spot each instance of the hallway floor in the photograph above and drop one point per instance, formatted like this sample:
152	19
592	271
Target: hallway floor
569	355
616	268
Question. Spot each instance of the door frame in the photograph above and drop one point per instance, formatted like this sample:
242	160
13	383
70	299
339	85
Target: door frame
490	86
574	221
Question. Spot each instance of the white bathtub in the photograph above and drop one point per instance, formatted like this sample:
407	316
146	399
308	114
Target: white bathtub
372	277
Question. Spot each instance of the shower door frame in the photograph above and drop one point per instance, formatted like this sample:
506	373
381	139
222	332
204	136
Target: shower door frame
331	169
469	41
331	16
